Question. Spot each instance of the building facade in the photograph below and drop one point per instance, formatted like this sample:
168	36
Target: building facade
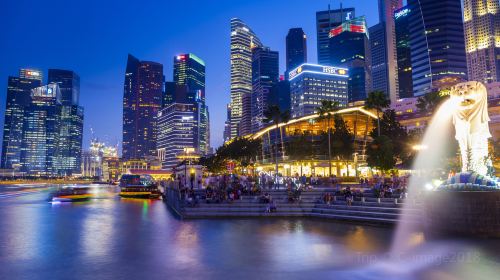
68	161
403	52
142	100
18	99
189	70
41	128
437	45
325	21
296	48
310	84
350	48
243	40
265	75
177	130
42	137
482	39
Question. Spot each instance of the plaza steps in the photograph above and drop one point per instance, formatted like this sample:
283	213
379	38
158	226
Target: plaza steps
367	209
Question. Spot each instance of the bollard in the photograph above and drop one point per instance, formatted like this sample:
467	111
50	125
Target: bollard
378	200
395	201
362	200
334	198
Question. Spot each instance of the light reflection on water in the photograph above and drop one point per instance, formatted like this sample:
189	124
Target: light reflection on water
109	238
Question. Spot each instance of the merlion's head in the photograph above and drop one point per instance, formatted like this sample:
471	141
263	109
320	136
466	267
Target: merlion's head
472	99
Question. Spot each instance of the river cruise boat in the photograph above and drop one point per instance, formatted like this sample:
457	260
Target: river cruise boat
71	194
138	186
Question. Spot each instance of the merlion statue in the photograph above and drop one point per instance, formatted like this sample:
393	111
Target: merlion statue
471	125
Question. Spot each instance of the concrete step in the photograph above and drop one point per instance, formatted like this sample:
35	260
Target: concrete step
356	218
254	209
367	208
243	215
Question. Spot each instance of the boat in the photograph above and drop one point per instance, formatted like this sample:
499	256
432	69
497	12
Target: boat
138	186
71	194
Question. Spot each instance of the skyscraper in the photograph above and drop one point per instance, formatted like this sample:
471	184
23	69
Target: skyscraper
18	98
69	85
243	40
69	152
142	100
350	48
325	21
311	83
403	51
41	128
296	48
482	39
383	50
178	129
189	77
265	75
189	70
437	44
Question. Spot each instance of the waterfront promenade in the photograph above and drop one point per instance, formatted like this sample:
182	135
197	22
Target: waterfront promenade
366	209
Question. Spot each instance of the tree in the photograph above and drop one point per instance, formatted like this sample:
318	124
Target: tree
389	126
241	150
431	101
381	153
273	115
326	111
377	100
342	140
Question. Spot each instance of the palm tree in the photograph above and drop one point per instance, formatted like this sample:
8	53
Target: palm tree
274	115
327	111
377	100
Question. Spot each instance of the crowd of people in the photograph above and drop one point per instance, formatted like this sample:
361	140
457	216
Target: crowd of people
228	188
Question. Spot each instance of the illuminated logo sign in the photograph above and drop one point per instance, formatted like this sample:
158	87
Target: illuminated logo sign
32	73
49	91
401	13
181	57
348	16
317	69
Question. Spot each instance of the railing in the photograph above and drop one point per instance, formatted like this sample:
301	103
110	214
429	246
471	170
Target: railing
172	197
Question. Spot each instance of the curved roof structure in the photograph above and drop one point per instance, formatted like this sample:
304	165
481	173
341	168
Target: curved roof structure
313	117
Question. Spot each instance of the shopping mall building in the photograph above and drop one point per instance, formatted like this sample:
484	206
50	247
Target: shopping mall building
314	159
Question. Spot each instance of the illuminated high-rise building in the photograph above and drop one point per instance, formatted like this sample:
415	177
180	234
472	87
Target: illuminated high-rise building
296	48
437	44
325	21
189	70
383	50
311	83
403	52
18	98
142	100
41	128
227	124
69	153
265	75
350	48
243	40
178	128
482	39
189	77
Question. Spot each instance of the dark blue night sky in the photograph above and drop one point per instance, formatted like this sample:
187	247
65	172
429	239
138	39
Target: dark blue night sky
94	37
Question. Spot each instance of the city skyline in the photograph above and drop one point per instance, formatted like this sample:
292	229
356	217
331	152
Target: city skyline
99	55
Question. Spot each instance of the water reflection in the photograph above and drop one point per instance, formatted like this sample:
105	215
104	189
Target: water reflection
113	238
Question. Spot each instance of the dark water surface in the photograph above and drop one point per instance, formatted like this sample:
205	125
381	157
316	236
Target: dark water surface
109	238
